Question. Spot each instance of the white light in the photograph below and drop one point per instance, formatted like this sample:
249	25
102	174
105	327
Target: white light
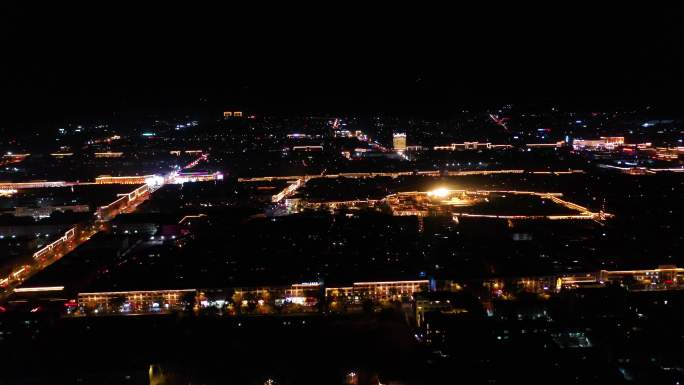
35	289
155	180
439	192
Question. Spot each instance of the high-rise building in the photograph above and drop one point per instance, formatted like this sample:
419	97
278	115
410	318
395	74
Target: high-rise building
232	114
399	141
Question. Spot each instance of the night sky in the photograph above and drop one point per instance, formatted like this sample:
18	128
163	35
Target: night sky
64	62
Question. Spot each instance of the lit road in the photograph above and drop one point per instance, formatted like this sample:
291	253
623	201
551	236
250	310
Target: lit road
407	173
74	237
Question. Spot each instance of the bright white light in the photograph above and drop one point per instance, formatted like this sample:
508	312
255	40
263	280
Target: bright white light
155	180
439	192
296	300
37	289
7	192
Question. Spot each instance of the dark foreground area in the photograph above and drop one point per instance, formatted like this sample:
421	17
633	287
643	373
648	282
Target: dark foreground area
581	341
195	350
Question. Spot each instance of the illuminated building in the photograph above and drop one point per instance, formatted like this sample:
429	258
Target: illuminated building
434	173
545	145
61	154
232	114
662	277
307	148
47	251
298	136
382	290
296	204
108	154
135	179
152	180
307	294
135	301
36	184
348	134
399	142
124	202
669	153
471	146
197	177
433	202
604	143
438	302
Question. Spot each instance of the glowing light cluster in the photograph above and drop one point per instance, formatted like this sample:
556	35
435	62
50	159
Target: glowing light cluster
440	192
155	180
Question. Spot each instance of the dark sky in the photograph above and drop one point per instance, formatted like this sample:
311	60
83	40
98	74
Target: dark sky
82	60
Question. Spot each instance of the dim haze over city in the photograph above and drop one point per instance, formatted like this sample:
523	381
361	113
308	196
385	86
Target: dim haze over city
356	195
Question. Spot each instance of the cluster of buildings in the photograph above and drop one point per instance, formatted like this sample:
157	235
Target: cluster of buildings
471	146
439	201
299	298
311	297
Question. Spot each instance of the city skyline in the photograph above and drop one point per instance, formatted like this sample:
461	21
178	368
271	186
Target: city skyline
368	195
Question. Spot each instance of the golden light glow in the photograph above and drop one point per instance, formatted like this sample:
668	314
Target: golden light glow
440	192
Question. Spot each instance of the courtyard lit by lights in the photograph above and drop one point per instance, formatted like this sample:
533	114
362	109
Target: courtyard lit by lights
440	192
